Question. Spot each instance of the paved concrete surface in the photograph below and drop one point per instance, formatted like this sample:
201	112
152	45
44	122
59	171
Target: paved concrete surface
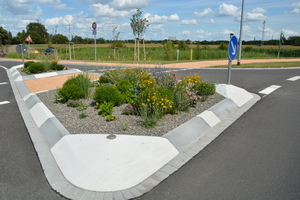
56	147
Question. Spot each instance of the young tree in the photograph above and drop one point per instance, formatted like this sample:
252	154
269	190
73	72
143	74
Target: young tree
139	26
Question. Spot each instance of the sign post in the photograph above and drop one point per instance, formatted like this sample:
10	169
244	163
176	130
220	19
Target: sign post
232	51
94	26
28	39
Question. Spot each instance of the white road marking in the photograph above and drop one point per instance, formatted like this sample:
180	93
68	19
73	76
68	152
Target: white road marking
270	89
4	102
294	78
4	83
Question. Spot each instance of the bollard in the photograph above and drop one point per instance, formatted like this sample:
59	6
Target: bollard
191	54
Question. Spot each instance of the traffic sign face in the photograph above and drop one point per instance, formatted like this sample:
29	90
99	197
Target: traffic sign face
21	49
28	39
232	48
94	25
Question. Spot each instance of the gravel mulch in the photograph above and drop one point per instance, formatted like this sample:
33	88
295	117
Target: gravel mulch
124	124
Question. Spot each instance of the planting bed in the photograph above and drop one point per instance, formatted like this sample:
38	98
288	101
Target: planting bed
123	124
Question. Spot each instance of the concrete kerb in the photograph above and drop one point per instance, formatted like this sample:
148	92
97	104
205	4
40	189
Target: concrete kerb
198	133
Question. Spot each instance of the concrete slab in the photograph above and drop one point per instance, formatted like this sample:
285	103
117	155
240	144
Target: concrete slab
96	163
186	134
40	114
210	118
238	95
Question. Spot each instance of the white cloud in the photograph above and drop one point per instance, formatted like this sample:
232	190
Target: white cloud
106	10
160	19
227	10
129	4
174	17
251	17
254	17
224	32
296	7
204	13
259	10
289	33
155	18
246	28
186	32
62	7
192	21
295	11
203	32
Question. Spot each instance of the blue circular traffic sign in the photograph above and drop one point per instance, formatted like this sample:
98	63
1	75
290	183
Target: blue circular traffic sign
232	48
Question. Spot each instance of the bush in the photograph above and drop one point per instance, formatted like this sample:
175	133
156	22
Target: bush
36	68
205	89
106	108
108	94
124	87
70	91
27	64
59	67
223	46
156	101
75	88
112	77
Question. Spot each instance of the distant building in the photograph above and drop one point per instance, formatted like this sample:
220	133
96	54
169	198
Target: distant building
172	38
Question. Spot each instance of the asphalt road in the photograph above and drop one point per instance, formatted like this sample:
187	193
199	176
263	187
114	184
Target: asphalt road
257	157
21	175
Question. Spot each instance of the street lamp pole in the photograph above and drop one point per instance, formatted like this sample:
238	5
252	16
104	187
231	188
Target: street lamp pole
241	32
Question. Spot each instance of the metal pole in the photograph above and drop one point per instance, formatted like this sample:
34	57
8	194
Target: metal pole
95	47
229	65
241	32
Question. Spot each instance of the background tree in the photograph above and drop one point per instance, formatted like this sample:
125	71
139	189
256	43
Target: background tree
59	39
38	33
139	26
182	45
4	37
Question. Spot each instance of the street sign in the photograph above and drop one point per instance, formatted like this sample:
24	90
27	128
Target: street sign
232	48
28	39
94	31
21	48
94	25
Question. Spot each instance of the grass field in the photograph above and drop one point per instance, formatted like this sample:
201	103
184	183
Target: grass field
154	53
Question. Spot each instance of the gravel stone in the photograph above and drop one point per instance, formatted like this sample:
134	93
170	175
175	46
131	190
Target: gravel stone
123	124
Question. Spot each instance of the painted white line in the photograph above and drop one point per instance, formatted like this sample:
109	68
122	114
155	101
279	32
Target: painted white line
4	102
270	89
294	78
4	83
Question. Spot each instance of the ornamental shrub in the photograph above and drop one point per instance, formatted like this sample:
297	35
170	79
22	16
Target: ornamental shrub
36	68
112	77
27	64
205	89
108	94
70	91
106	108
124	87
75	88
59	67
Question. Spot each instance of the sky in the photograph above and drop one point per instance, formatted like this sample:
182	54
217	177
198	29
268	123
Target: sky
189	19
